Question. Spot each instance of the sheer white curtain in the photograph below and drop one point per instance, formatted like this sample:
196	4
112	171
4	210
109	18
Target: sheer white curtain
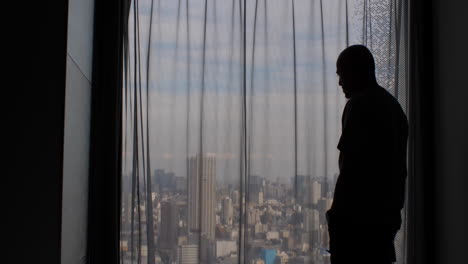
231	119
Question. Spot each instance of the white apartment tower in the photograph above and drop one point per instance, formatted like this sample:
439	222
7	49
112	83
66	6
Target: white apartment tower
202	195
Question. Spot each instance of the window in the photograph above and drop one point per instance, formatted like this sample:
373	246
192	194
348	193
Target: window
231	117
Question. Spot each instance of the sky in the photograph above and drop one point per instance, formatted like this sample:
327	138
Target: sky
290	109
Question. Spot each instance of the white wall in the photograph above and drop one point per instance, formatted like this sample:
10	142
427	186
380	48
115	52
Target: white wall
451	133
77	131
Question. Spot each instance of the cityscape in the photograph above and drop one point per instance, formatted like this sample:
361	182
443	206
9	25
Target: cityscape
197	219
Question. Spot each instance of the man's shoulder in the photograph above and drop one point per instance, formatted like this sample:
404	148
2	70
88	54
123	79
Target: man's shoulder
378	98
392	103
377	105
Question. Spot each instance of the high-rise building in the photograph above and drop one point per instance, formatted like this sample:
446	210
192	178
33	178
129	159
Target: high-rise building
256	197
228	211
316	192
159	176
260	198
256	187
301	185
202	195
127	207
180	184
169	221
311	220
255	183
235	197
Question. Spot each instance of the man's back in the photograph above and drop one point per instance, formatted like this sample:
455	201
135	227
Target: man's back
369	193
372	155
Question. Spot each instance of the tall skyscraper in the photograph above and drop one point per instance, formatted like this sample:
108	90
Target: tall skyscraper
127	207
235	196
256	188
169	221
301	185
228	211
202	195
316	192
311	220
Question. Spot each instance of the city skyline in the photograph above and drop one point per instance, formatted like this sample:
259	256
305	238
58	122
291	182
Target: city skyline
277	226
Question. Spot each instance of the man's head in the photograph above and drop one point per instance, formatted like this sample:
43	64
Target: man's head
356	69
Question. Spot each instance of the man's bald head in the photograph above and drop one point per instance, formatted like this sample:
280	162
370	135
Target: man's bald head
356	69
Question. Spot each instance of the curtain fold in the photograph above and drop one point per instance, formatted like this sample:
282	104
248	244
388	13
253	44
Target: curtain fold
231	119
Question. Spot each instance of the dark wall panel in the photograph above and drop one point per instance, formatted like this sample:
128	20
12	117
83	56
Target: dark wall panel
36	58
451	130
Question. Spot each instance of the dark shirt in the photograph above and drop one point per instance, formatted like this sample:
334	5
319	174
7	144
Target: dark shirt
370	190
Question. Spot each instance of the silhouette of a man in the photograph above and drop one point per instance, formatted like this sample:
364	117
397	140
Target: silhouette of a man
369	193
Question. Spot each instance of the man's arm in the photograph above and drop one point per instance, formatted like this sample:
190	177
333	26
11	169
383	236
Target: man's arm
355	146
